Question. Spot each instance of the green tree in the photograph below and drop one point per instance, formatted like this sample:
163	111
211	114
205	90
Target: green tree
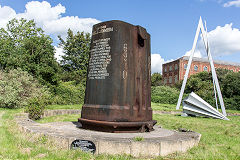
231	85
23	45
229	81
231	90
76	50
156	79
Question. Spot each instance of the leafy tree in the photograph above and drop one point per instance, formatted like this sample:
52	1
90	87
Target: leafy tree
156	79
76	54
231	90
229	81
231	85
222	73
23	45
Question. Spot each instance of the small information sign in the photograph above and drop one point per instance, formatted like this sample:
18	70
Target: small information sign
84	145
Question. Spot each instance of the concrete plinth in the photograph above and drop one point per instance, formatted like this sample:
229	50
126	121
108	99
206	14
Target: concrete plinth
159	142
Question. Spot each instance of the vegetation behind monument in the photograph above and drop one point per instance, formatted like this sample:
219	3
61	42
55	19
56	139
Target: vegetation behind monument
201	83
76	50
27	52
25	46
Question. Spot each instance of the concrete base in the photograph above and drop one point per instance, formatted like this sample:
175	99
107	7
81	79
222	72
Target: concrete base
159	142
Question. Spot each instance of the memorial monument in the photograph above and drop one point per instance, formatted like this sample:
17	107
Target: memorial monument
118	89
117	99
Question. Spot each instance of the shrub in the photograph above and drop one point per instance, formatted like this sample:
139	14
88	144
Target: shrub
156	79
16	87
36	106
69	93
165	94
232	103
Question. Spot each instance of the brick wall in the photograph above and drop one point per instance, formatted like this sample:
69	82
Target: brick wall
171	74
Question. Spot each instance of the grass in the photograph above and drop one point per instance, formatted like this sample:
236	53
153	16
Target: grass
172	107
163	107
16	145
138	138
74	106
220	139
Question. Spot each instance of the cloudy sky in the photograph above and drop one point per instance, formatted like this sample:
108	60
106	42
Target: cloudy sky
172	24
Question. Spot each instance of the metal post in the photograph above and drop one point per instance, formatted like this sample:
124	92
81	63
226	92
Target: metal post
214	75
189	64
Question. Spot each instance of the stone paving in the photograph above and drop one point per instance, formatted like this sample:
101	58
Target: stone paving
159	142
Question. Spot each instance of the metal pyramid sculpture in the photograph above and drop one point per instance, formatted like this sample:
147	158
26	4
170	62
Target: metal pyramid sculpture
214	75
195	105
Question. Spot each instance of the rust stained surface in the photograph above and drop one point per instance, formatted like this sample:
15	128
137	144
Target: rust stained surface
120	99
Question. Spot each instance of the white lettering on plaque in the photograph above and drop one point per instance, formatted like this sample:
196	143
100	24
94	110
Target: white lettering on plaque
125	48
100	58
102	29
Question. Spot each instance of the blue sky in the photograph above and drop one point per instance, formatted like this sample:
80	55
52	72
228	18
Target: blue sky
171	23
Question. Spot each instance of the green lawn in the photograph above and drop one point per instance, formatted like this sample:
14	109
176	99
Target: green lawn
16	145
220	139
163	107
74	106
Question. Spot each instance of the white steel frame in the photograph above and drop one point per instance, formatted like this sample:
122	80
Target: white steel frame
214	75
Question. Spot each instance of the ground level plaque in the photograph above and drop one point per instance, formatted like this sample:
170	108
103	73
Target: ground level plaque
84	145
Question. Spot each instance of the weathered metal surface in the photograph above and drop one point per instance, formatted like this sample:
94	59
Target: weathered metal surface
118	88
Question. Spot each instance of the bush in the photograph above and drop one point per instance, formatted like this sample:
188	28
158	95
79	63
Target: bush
16	87
232	103
165	94
201	83
69	93
36	106
156	79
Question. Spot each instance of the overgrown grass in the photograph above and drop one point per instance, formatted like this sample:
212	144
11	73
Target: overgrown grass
220	139
172	107
73	106
16	145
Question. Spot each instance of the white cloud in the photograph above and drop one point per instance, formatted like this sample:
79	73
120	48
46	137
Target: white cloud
197	53
156	63
42	12
235	3
222	40
6	13
61	25
49	18
59	53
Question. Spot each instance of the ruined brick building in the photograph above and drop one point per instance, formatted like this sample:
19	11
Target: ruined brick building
174	71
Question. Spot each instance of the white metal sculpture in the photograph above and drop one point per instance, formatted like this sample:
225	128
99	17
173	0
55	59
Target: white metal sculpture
214	76
195	105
